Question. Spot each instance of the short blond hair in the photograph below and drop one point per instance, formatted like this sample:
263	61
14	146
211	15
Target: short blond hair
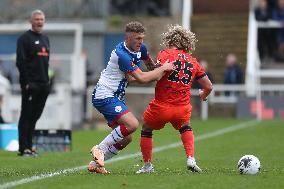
179	37
135	27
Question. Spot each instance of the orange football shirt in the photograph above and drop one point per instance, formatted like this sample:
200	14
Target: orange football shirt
174	87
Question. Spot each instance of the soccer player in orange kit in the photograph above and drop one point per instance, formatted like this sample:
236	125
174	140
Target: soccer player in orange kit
172	95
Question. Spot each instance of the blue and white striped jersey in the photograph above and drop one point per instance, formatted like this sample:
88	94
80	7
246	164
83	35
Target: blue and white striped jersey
112	82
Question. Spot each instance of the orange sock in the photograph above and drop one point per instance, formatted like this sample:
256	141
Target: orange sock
146	148
146	145
187	138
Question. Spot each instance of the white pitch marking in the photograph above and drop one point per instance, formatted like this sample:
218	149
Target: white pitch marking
129	156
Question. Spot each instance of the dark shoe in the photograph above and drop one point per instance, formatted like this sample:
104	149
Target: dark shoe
28	153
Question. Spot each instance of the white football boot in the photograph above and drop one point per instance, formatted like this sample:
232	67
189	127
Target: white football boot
147	168
192	166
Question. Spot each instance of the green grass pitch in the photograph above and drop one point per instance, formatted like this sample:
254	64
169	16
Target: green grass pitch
217	156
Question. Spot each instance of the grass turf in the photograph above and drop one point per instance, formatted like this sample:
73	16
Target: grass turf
217	156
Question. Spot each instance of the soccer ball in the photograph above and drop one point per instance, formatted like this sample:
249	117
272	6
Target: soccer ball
249	165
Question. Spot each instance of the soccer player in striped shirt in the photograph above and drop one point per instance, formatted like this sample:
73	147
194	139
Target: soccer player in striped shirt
108	96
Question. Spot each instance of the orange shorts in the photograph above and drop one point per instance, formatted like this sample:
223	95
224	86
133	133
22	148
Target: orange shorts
159	113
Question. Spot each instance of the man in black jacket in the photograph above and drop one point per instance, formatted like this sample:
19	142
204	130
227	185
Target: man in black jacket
32	62
233	73
266	40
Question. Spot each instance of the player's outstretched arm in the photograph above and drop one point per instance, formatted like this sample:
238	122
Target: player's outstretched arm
150	64
206	87
130	78
156	74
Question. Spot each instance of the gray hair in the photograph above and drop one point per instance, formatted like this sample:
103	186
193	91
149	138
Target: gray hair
37	11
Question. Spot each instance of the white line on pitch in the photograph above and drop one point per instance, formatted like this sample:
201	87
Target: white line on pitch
129	156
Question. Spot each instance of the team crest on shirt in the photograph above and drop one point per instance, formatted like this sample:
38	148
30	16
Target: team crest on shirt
139	55
118	108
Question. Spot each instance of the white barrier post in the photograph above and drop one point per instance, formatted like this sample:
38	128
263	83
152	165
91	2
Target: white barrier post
204	110
186	13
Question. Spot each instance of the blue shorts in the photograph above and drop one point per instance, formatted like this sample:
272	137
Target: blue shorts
112	108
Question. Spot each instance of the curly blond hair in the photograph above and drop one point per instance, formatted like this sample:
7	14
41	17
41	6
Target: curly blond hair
179	37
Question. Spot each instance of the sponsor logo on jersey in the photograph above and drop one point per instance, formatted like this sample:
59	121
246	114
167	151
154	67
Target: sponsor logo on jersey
118	108
139	55
43	52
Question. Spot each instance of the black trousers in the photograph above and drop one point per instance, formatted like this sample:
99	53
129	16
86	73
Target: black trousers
33	102
266	42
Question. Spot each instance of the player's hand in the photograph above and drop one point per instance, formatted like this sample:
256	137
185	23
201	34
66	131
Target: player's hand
201	95
168	66
130	78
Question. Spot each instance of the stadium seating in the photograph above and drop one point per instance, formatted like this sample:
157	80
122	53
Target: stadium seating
219	35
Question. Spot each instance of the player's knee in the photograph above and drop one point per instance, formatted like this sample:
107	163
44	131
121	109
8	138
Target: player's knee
133	125
184	129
